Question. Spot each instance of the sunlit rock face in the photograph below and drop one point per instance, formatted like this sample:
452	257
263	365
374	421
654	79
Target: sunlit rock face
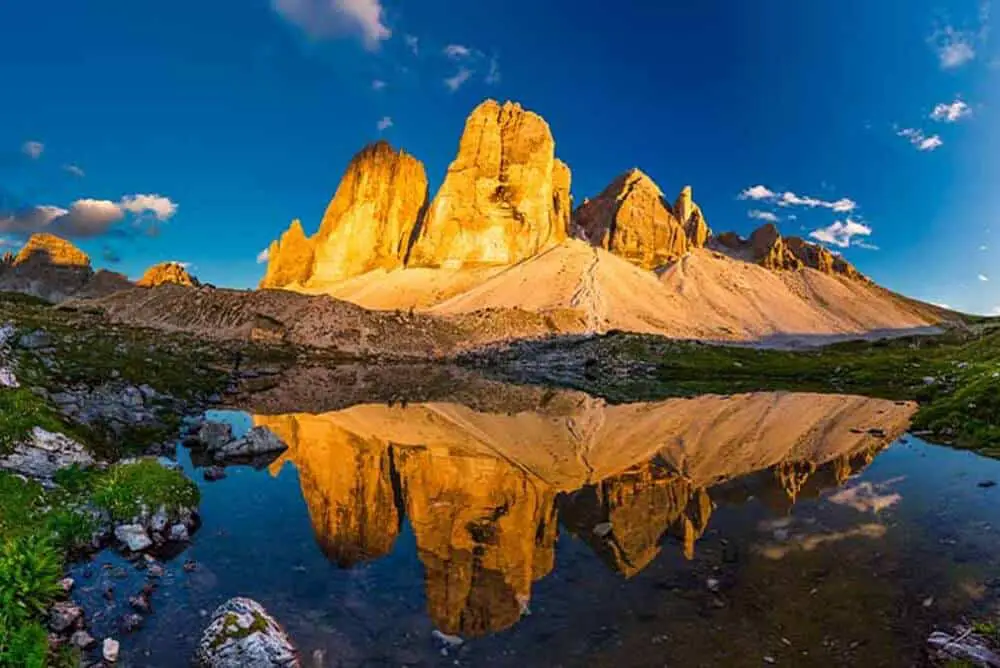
164	273
691	218
768	248
48	267
505	197
631	219
368	224
484	483
346	483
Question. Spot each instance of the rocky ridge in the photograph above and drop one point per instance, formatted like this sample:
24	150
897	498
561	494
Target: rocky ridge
173	273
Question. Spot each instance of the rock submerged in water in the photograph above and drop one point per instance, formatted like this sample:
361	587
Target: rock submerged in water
243	635
258	441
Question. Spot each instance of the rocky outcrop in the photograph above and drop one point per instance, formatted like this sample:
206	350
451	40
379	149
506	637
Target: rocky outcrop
769	249
691	218
289	259
167	273
48	267
242	634
43	453
631	219
504	197
103	283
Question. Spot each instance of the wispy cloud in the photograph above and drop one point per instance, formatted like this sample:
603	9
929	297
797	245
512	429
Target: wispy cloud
74	170
789	199
951	112
493	74
457	51
954	48
455	82
841	233
921	141
33	149
984	278
263	256
412	43
321	19
384	123
378	84
768	216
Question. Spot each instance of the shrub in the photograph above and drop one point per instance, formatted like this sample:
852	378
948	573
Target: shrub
23	645
127	489
30	568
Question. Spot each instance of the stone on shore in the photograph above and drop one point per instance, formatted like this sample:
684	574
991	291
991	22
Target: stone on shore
243	635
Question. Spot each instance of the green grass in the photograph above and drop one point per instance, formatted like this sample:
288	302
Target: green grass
20	412
126	489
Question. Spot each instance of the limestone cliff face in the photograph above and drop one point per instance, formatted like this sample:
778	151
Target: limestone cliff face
48	249
372	217
368	224
770	250
504	198
691	218
631	219
289	259
817	257
167	273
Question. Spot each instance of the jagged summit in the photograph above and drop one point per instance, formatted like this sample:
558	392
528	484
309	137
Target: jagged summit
50	249
769	249
167	273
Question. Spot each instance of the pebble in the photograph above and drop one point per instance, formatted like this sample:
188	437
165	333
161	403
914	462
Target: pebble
109	650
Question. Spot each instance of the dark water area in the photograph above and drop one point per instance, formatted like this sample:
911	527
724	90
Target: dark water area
548	528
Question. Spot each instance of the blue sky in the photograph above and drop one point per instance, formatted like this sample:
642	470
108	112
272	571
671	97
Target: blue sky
195	131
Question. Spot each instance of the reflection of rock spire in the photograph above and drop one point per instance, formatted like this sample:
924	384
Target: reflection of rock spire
792	476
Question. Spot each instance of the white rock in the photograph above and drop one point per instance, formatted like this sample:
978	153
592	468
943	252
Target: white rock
258	441
109	650
134	537
242	635
44	453
179	533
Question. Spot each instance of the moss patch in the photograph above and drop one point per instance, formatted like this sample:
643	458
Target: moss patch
127	489
20	412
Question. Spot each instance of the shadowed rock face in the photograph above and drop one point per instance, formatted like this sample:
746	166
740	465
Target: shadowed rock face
505	197
483	488
48	267
769	249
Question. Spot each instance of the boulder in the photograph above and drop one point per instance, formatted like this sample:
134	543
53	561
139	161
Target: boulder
504	198
243	635
133	536
258	441
64	616
44	453
213	435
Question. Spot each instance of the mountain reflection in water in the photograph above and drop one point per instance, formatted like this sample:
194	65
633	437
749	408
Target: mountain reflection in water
485	487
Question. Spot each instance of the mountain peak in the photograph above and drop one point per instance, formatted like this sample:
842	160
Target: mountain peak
163	273
50	249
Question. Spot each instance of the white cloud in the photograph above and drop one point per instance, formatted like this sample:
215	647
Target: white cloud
984	278
455	82
942	305
457	51
378	84
921	141
33	149
954	47
493	75
332	18
412	43
995	311
263	256
841	233
983	248
88	218
30	219
161	207
384	123
757	192
74	170
786	199
950	113
763	215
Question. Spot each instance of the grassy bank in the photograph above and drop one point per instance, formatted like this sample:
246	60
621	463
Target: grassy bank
41	530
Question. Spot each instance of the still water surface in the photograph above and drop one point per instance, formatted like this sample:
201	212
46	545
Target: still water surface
551	528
